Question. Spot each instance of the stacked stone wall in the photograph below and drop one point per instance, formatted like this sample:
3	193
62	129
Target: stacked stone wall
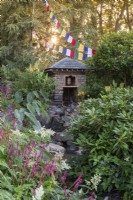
60	83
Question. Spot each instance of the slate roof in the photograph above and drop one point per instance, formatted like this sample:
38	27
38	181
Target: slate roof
68	63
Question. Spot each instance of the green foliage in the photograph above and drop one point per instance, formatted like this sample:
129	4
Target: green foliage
31	91
115	52
79	195
104	129
27	166
18	160
86	20
15	27
113	61
33	81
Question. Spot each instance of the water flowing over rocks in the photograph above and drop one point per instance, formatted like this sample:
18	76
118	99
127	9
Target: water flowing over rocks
59	120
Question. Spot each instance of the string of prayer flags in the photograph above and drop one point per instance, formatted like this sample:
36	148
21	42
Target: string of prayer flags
74	54
63	33
68	52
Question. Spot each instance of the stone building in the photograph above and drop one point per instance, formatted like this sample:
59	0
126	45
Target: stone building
69	77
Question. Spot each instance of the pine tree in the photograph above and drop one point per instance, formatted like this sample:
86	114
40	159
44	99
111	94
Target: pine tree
86	20
16	28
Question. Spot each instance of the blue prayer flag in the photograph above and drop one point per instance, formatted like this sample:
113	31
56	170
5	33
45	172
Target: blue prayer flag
64	51
84	56
53	18
67	36
85	49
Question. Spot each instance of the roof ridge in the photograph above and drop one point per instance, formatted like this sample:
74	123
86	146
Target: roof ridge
68	63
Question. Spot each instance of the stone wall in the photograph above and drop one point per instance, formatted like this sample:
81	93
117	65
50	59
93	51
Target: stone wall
60	77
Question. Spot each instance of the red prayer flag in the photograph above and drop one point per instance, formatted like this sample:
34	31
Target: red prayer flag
93	51
73	42
58	25
72	54
47	8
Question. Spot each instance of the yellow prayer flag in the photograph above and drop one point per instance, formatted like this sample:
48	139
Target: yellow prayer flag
51	15
60	49
80	56
63	33
81	47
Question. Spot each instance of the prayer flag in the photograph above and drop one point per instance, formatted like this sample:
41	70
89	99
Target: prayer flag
73	42
81	47
68	52
66	36
60	49
72	54
63	33
69	39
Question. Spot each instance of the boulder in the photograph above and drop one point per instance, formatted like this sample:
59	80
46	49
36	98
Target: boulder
62	137
56	124
55	148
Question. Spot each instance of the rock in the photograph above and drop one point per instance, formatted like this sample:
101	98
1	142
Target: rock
60	111
56	110
64	118
71	146
56	124
72	106
60	119
43	119
67	124
80	151
68	110
113	195
106	198
55	148
62	137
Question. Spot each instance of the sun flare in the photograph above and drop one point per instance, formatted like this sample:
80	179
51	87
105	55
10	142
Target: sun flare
54	40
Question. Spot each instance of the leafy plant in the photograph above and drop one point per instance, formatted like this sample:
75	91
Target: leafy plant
24	162
31	90
104	129
112	61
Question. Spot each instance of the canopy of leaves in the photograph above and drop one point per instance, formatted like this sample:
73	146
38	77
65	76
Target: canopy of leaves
113	61
86	20
115	52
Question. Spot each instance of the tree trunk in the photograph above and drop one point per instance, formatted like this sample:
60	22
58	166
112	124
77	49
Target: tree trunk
100	12
127	15
117	25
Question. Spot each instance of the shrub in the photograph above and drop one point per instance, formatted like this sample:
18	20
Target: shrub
31	91
31	79
104	129
113	61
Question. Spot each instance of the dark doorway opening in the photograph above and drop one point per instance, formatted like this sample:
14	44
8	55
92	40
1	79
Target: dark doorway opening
70	95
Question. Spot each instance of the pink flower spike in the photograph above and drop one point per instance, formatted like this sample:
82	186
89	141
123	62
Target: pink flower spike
63	178
77	183
90	198
65	193
93	194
